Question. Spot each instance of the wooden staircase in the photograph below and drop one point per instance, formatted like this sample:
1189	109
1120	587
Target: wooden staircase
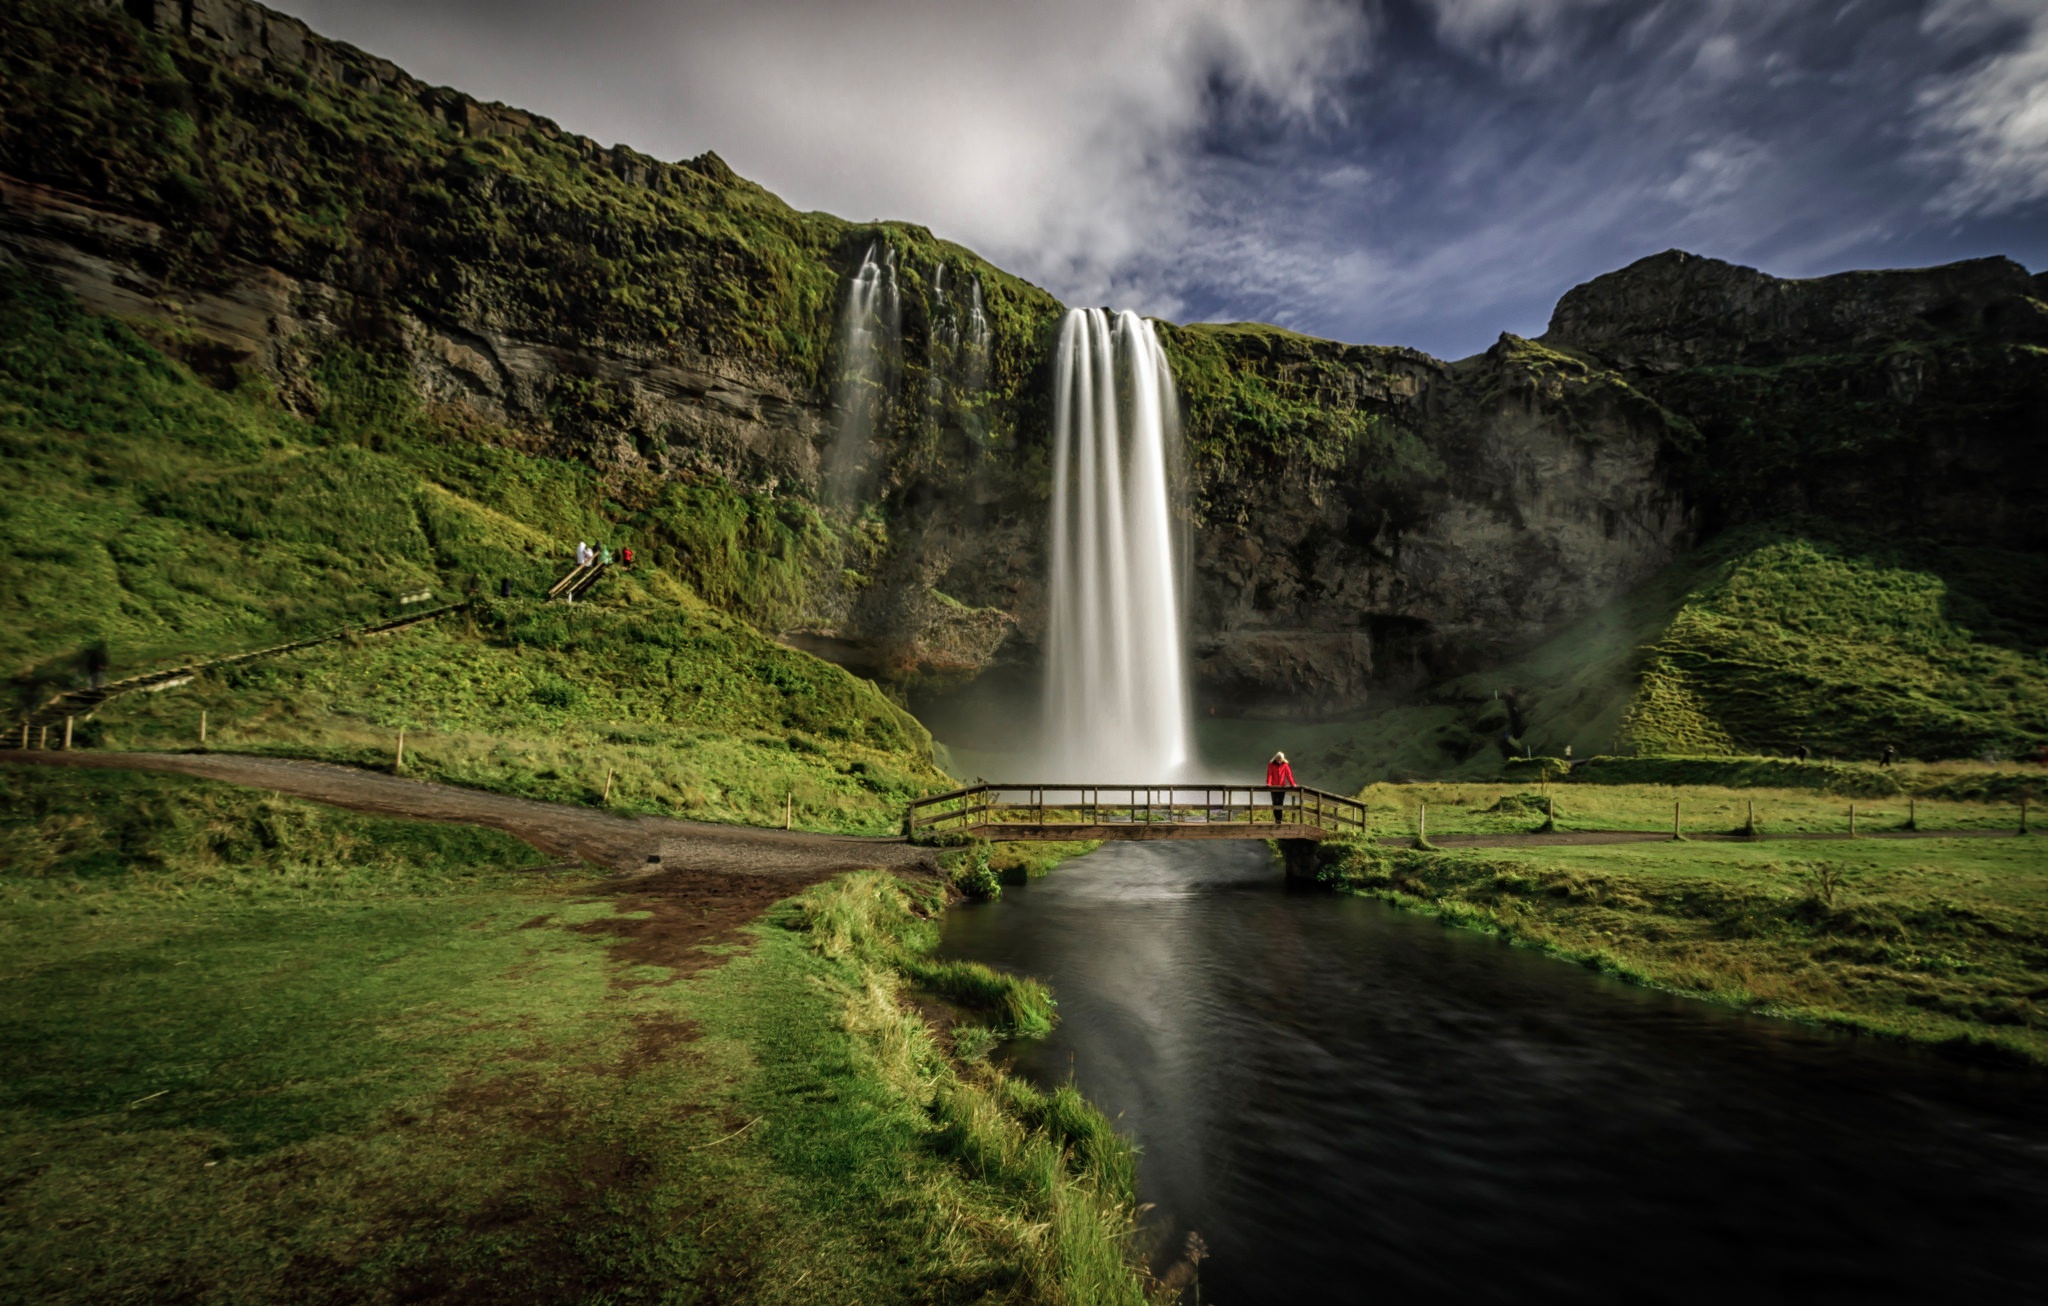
578	582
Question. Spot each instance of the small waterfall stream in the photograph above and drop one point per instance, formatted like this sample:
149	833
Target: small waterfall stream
870	331
1116	706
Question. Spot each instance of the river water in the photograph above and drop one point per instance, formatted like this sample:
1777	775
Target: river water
1347	1101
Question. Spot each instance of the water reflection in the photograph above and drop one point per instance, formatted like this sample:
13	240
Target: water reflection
1348	1100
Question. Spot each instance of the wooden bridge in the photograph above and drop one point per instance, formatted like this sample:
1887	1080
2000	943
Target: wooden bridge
1059	811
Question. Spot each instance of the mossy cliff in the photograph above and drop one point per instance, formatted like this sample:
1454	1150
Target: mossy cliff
273	209
281	206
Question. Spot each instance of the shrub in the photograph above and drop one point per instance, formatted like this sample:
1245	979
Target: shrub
975	877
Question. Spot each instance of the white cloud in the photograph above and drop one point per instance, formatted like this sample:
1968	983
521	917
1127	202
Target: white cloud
1715	172
1478	20
1989	122
1052	136
1525	39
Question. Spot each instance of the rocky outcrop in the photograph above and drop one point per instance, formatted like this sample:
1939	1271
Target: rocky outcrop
1677	310
1908	401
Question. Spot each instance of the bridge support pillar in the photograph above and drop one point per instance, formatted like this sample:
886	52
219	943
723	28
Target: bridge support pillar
1298	857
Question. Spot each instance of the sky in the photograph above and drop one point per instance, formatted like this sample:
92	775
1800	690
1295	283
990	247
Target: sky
1417	172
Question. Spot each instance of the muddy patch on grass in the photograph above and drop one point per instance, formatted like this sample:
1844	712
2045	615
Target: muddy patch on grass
670	919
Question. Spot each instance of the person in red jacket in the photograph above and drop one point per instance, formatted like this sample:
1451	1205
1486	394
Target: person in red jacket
1279	778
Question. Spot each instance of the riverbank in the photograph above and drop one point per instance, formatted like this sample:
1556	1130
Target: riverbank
1943	941
270	1051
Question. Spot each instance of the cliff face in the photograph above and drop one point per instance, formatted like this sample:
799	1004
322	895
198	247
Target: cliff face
1906	401
1418	520
1362	519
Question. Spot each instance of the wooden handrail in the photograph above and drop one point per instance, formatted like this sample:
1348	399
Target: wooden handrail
580	578
84	702
1014	807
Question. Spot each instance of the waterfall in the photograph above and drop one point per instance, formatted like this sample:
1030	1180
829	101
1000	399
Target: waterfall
870	327
1116	707
974	368
944	347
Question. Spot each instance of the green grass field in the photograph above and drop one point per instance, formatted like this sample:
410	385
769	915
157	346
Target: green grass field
1940	940
1509	807
263	1051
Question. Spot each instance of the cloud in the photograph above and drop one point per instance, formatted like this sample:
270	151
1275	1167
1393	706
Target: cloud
1525	40
1989	122
1052	136
1716	171
1402	171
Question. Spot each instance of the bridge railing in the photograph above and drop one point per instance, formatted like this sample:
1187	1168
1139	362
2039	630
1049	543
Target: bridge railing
983	809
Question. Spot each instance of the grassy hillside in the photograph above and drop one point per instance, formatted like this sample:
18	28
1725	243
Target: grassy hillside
143	509
1766	639
261	1051
1848	645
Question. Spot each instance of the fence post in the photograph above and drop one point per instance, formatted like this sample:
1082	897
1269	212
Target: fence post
788	810
1852	820
604	801
1676	831
1912	813
1421	824
43	739
67	734
202	727
398	762
24	734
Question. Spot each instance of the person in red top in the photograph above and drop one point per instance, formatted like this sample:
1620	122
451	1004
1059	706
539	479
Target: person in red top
1279	778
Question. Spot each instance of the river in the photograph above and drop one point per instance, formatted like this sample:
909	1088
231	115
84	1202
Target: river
1348	1101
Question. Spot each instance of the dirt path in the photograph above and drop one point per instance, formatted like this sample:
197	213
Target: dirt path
624	845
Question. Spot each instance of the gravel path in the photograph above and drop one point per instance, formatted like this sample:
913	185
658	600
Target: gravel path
625	845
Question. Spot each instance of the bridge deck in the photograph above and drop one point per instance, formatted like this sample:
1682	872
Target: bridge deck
1027	832
1039	812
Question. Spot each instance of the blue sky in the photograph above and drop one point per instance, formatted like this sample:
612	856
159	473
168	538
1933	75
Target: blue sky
1421	172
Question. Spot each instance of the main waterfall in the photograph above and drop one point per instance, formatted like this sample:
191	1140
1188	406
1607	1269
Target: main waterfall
1116	706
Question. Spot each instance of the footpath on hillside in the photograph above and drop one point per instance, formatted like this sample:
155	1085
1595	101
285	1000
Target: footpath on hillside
623	845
